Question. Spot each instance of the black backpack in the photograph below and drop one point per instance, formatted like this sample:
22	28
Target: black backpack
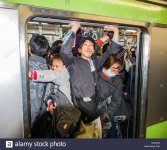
89	106
89	109
65	119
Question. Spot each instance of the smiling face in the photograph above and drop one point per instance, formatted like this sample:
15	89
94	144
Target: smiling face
86	50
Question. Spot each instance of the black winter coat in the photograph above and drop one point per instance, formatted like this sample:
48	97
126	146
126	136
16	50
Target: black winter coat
112	87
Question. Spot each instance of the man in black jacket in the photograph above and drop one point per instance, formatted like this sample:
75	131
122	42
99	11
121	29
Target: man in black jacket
83	71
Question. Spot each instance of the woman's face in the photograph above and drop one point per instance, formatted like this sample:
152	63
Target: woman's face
115	68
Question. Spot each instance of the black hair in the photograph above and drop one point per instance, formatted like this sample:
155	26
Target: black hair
57	57
132	48
112	59
57	43
82	41
39	45
104	48
55	50
133	52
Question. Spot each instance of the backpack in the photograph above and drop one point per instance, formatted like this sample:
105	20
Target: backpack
65	119
89	108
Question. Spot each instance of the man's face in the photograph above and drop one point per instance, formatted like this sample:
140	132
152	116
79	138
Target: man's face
86	50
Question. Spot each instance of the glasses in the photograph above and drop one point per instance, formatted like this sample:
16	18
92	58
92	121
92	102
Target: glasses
57	66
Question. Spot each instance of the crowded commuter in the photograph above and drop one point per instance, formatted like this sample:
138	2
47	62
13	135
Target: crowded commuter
110	86
59	76
38	48
83	74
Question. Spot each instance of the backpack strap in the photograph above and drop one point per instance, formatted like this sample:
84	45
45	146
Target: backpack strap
54	121
42	100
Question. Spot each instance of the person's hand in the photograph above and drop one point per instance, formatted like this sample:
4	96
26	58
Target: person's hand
30	75
114	29
105	38
74	26
111	28
105	118
51	107
125	55
130	64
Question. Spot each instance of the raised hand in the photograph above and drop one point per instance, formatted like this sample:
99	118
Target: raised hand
74	26
114	29
111	28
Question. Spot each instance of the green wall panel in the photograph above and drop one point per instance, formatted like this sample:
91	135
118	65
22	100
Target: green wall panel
157	131
115	8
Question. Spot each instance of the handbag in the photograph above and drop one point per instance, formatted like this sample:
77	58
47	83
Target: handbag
65	120
89	109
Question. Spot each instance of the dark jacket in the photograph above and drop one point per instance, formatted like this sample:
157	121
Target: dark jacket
112	87
37	88
82	80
